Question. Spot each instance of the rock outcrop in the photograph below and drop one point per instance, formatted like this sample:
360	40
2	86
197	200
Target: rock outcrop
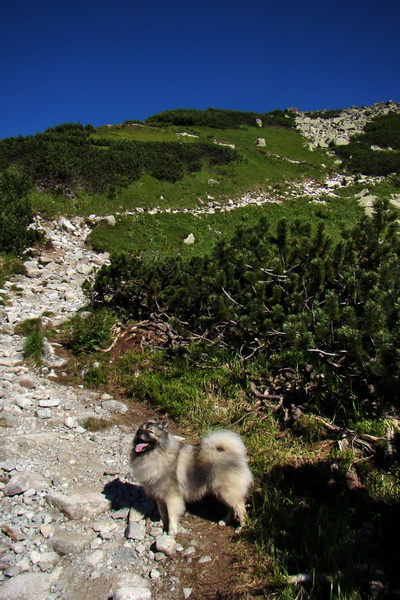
338	129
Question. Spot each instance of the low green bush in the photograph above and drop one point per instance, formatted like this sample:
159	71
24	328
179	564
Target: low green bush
33	346
67	157
291	297
221	118
359	157
90	330
16	212
34	334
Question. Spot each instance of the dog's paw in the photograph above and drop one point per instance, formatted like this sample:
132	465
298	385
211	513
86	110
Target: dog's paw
172	531
222	523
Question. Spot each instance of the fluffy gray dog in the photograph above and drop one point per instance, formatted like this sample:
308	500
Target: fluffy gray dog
172	473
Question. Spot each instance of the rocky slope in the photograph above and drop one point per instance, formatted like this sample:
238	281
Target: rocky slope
73	525
322	131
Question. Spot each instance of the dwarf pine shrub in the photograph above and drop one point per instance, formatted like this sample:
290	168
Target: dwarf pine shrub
293	297
16	212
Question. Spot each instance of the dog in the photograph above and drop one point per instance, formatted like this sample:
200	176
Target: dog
172	473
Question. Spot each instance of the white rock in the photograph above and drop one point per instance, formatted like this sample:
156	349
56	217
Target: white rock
154	574
22	401
114	406
136	531
84	269
190	239
27	586
69	542
43	413
205	559
48	560
135	516
166	544
71	422
49	402
95	558
132	593
80	505
34	557
46	530
66	225
50	357
23	481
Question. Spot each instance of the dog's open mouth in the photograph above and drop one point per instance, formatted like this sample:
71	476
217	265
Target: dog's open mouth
141	447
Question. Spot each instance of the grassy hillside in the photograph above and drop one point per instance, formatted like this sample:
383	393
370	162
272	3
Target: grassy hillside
282	317
164	233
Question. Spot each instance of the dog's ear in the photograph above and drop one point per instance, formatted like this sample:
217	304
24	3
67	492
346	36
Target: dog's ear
165	425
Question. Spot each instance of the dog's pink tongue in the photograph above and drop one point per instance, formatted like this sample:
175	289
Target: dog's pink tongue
140	447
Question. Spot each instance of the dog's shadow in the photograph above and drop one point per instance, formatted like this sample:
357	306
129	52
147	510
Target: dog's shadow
208	508
123	495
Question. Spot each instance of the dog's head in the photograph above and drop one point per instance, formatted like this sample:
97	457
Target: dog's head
149	435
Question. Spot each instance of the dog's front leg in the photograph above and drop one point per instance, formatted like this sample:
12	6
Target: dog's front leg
175	508
162	509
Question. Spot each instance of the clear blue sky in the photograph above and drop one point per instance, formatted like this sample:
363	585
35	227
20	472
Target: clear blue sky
106	61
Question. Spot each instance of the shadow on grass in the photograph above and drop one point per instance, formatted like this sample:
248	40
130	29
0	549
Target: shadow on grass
318	520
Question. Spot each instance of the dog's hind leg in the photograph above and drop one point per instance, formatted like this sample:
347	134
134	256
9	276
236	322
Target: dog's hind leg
237	509
175	508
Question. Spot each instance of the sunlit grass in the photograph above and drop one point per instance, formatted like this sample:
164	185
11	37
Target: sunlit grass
164	233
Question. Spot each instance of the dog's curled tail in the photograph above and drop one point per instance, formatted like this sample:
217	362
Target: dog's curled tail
223	440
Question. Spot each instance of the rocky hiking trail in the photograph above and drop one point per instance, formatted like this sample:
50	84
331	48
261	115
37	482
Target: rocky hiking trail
73	523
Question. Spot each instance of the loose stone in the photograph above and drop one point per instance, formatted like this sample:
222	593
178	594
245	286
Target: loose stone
134	593
21	482
136	531
166	544
205	559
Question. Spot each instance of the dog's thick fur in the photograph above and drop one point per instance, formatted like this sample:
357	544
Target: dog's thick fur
172	473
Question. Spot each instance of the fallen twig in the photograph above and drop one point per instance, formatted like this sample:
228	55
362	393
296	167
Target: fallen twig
250	412
308	578
268	396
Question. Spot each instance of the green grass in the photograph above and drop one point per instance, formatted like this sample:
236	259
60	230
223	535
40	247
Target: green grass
96	424
204	397
91	330
9	265
33	346
260	168
34	332
164	233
